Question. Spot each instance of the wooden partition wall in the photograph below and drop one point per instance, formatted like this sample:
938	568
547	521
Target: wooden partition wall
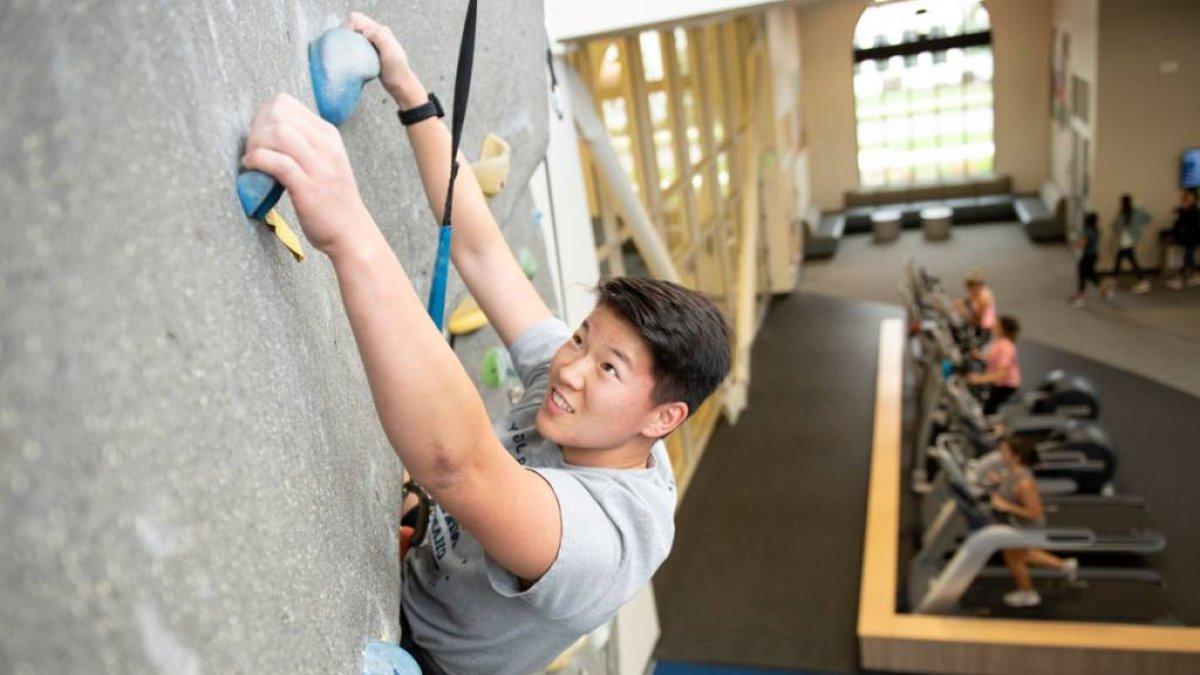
686	110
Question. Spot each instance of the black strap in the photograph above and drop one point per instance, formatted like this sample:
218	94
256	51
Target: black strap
553	80
462	88
430	108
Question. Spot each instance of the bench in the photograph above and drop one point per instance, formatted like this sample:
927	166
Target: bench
1043	215
974	201
822	233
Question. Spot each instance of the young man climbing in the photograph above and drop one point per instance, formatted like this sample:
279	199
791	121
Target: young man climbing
549	522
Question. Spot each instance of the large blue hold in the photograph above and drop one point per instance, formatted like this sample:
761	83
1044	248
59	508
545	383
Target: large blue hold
385	658
340	62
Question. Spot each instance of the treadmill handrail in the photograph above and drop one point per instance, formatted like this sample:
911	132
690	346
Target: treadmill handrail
948	586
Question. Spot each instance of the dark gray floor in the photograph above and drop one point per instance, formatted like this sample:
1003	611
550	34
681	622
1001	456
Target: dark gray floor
1157	432
766	564
765	569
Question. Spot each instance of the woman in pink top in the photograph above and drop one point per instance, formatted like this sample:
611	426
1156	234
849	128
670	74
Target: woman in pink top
1002	374
979	307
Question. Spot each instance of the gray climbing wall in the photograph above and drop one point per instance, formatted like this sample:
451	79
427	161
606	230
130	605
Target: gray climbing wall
192	476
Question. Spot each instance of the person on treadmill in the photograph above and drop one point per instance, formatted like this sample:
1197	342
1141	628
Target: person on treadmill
1016	498
1001	374
979	307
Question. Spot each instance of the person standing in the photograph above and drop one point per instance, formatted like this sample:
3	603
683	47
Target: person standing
1128	226
1087	244
1186	232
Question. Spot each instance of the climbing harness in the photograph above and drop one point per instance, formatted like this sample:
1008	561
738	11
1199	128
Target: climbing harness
417	519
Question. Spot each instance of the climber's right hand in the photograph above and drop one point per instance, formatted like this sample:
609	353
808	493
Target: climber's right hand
305	153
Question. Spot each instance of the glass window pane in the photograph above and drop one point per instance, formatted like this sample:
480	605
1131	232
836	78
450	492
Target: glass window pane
651	56
681	52
723	174
695	152
615	119
926	116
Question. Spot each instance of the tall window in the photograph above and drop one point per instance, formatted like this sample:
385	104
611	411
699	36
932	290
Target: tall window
923	92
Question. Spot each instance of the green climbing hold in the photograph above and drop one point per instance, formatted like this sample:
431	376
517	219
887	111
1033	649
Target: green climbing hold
529	263
496	367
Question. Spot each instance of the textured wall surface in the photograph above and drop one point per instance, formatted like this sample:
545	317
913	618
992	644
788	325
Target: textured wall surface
192	476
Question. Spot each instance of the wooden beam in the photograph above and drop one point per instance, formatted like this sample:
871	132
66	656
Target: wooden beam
643	128
712	262
729	61
747	272
683	161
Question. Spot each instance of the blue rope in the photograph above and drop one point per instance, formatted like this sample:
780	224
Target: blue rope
462	87
441	270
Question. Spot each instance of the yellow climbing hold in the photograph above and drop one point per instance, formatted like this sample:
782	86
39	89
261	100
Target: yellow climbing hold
285	234
492	168
466	318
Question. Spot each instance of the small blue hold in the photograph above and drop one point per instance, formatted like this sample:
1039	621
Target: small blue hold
385	658
341	62
947	368
258	193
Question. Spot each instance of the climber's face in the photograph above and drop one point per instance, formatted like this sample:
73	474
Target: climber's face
600	393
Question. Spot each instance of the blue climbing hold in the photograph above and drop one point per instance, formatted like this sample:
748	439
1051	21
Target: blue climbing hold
258	193
341	62
385	658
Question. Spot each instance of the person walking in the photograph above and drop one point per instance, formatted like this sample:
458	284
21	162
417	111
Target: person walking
1087	245
1128	226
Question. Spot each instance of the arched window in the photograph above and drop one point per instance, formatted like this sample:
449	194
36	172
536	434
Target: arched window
923	92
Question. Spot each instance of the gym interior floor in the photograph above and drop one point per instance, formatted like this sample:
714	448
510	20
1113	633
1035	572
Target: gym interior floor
1154	335
767	557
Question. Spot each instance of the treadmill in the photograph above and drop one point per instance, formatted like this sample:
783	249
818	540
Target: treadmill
1119	526
1074	455
945	579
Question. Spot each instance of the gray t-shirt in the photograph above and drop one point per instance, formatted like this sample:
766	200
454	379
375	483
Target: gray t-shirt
617	528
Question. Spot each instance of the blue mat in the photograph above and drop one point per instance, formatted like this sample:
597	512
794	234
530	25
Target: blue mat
680	668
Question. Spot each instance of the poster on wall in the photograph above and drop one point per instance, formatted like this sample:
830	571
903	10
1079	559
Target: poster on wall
1060	46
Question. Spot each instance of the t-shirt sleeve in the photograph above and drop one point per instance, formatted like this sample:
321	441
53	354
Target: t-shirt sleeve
532	351
589	557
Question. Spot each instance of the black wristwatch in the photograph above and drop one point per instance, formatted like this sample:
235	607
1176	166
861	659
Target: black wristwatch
430	108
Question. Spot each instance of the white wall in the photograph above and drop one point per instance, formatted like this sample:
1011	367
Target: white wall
559	193
1020	43
1148	96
